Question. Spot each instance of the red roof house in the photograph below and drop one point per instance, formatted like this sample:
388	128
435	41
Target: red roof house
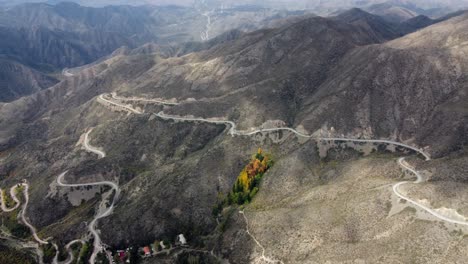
147	251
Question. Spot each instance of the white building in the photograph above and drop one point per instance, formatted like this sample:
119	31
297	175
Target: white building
181	239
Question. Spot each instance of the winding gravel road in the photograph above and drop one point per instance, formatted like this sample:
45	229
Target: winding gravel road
419	179
24	219
234	132
66	72
88	147
13	196
126	107
155	101
205	35
70	258
23	209
102	212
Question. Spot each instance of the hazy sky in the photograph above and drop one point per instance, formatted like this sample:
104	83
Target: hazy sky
268	3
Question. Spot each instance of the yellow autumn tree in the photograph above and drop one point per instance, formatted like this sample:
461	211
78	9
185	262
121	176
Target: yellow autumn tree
247	183
244	180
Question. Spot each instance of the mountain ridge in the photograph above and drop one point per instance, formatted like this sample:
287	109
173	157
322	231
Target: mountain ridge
325	77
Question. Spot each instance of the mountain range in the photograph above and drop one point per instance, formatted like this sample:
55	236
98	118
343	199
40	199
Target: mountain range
156	111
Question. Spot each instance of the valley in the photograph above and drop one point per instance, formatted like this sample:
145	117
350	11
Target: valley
115	190
127	134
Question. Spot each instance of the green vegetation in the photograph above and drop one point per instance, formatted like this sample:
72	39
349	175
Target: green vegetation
75	250
101	258
10	222
247	183
8	200
49	253
63	253
224	224
19	190
156	245
9	255
85	253
193	259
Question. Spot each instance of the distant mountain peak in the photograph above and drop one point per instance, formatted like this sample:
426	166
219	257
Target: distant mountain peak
355	14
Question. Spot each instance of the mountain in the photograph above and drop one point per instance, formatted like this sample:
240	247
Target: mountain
17	80
67	34
415	23
422	21
383	30
346	77
262	62
392	13
44	49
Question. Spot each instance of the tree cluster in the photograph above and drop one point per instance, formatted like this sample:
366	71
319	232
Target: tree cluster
248	181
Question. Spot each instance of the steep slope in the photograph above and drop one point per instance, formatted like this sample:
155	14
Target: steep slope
313	95
400	70
298	92
325	77
70	35
423	21
17	80
168	165
383	30
48	50
415	23
392	13
447	36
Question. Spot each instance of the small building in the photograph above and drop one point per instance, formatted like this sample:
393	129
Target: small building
181	240
162	245
122	255
147	251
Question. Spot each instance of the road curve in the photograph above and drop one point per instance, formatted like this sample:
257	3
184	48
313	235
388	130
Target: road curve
13	196
234	131
155	101
88	147
66	72
70	258
233	128
401	162
205	35
104	211
127	108
100	214
23	216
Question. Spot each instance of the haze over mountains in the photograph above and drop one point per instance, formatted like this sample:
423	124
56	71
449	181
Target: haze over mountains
168	103
68	35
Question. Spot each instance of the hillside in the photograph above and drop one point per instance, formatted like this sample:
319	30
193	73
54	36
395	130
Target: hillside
80	35
392	13
383	30
17	80
327	200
